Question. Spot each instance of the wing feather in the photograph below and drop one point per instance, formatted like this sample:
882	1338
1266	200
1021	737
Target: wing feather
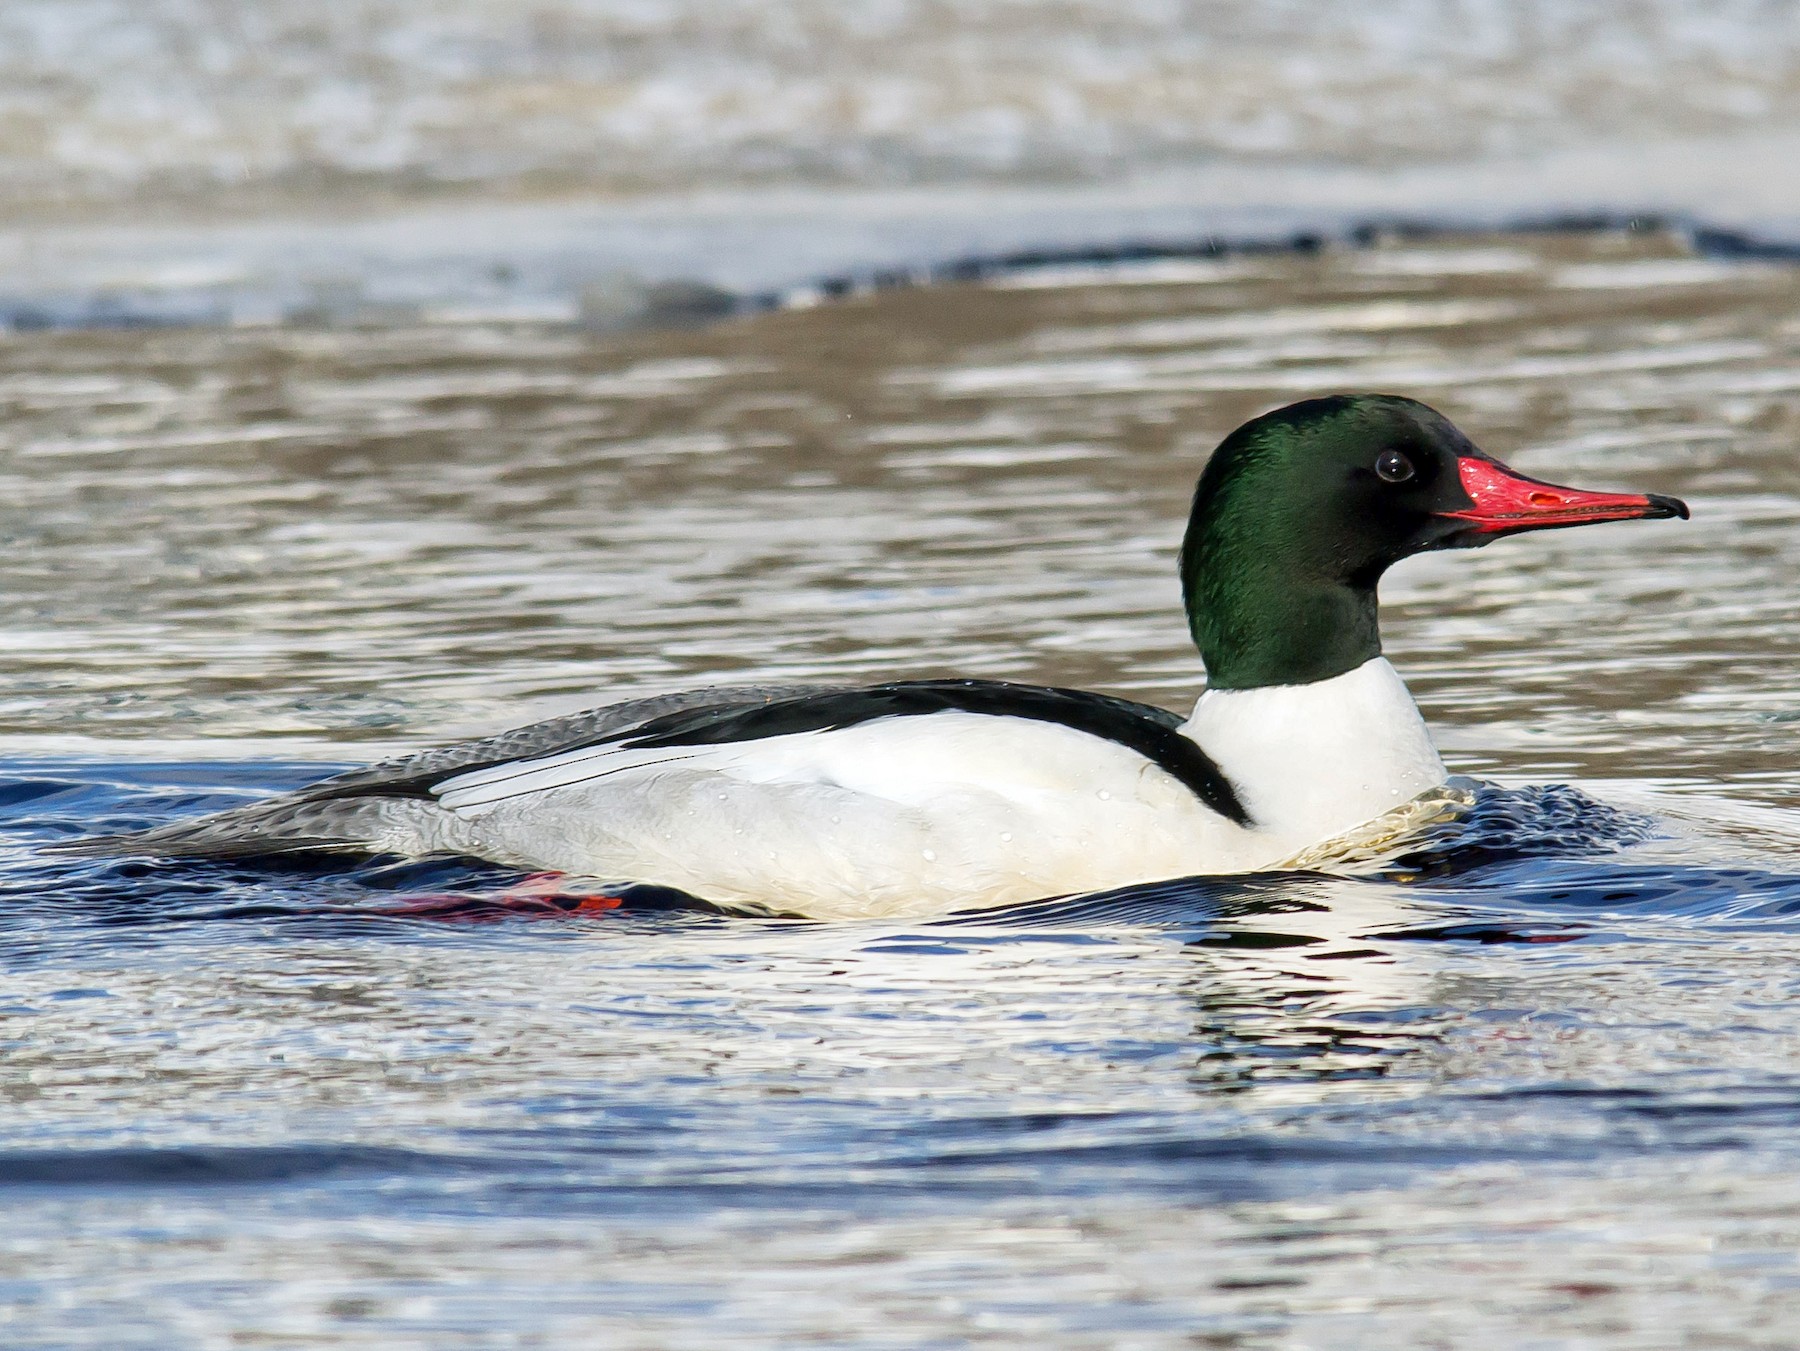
417	802
392	801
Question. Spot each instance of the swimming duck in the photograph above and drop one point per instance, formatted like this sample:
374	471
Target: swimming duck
924	796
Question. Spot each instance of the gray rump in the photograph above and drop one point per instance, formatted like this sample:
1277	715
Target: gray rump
353	811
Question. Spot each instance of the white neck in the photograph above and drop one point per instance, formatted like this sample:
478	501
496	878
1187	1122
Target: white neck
1312	761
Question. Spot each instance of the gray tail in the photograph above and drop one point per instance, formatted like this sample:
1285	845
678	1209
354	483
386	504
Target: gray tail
286	824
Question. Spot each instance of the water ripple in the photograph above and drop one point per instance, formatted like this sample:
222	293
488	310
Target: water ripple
1547	1045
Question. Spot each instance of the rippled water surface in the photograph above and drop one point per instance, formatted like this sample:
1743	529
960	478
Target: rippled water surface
1530	1083
109	101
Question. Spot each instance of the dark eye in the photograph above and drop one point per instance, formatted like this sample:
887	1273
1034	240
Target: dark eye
1393	467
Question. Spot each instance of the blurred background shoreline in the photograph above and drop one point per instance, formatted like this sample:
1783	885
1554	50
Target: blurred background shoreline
197	162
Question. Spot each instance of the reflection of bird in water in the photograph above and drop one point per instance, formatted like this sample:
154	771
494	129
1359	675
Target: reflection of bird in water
919	797
1305	977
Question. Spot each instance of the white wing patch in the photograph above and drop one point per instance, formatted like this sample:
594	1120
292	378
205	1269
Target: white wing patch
911	758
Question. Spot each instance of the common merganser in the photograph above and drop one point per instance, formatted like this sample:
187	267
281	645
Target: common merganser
925	796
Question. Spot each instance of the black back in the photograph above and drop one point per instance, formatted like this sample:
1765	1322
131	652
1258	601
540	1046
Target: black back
1151	732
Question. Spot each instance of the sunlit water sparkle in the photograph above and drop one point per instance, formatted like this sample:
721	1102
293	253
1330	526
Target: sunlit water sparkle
1531	1076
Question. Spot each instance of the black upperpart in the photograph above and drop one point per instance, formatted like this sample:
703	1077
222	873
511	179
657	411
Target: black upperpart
1151	732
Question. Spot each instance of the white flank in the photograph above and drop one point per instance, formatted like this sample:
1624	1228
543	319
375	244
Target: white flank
923	814
900	815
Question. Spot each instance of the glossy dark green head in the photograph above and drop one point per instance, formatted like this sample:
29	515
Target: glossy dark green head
1300	511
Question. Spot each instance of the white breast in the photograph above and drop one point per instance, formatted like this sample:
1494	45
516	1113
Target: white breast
1313	761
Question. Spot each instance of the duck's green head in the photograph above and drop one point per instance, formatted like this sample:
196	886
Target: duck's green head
1300	511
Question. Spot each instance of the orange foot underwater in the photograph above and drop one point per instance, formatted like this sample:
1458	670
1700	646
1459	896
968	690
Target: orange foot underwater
540	896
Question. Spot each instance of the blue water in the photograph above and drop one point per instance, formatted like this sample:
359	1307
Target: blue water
415	1081
1529	1082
